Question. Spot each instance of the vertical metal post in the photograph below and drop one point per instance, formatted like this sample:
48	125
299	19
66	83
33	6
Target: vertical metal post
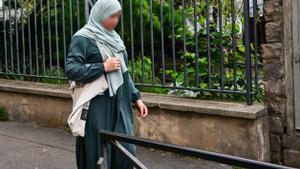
152	41
87	10
17	36
71	15
208	43
64	32
221	45
122	21
233	20
36	39
247	54
78	14
56	40
255	44
10	39
162	43
43	38
131	37
29	38
4	32
23	38
173	39
196	44
49	37
184	41
142	41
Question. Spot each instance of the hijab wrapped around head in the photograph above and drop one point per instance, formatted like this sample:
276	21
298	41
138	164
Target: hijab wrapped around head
109	43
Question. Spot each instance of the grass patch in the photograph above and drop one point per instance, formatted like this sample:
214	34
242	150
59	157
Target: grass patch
3	114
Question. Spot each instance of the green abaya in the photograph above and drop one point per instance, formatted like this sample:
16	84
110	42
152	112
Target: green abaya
84	64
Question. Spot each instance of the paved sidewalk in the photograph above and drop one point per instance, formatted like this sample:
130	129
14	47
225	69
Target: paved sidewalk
28	146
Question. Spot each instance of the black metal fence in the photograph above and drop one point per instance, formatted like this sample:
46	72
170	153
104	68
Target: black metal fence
197	45
114	139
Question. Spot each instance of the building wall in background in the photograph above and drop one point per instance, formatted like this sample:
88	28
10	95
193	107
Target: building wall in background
278	81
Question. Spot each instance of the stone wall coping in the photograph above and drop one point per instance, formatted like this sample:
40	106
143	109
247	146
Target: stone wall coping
176	103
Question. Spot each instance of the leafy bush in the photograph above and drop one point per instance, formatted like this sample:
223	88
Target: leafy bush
226	49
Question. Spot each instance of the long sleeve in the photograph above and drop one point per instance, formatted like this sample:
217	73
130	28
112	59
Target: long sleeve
76	67
135	93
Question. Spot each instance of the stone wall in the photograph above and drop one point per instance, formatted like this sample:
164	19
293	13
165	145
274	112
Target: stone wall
225	127
277	67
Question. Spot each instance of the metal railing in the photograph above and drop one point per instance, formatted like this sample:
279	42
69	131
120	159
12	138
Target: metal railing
113	138
201	45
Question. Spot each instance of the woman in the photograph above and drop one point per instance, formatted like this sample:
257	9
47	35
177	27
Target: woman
96	50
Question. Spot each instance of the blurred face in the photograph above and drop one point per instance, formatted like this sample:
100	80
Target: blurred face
111	22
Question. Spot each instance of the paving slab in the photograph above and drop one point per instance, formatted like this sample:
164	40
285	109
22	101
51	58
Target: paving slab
28	146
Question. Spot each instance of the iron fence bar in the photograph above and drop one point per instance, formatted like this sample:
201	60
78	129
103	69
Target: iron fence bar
127	154
43	38
247	53
221	45
122	20
23	37
36	38
29	38
234	44
131	39
196	43
142	41
195	89
1	60
184	41
255	44
86	10
56	40
64	32
10	38
78	14
33	76
162	43
173	39
4	28
193	152
208	43
17	36
49	37
71	16
152	42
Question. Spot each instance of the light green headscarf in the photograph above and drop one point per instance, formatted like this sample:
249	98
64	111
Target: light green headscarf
109	43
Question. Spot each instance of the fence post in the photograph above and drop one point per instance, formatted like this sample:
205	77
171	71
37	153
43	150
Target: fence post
247	54
87	10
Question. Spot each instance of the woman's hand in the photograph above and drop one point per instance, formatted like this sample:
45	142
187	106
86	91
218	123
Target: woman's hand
142	108
111	64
